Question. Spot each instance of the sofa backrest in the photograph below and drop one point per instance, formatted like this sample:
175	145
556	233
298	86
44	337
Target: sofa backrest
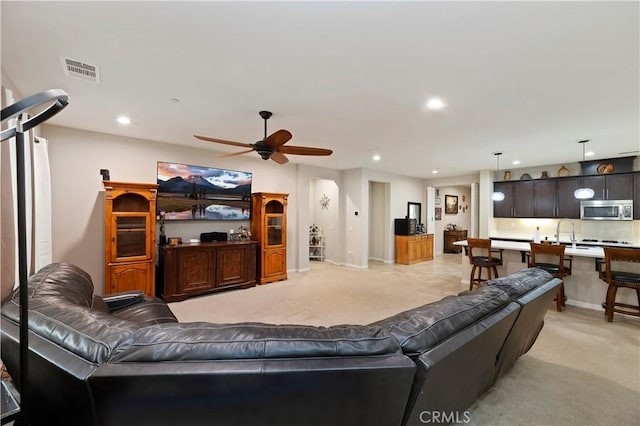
206	341
90	334
520	282
62	281
420	329
525	330
60	310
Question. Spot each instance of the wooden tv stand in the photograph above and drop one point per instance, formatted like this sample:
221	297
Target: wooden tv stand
193	269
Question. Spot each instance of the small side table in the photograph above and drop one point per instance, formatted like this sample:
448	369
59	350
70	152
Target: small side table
451	237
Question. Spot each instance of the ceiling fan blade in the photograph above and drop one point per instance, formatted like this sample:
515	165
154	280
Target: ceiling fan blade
233	154
278	138
208	139
279	157
304	150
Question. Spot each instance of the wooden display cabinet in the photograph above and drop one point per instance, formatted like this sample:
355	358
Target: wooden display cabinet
192	269
269	228
412	249
130	227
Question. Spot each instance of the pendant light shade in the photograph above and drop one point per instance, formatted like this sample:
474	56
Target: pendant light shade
497	195
583	193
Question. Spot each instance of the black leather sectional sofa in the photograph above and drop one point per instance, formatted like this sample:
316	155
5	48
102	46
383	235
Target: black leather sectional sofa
125	360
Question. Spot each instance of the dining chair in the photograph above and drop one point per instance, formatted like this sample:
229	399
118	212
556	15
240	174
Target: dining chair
481	256
551	258
622	266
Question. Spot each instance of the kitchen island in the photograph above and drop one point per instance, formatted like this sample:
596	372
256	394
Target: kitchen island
583	287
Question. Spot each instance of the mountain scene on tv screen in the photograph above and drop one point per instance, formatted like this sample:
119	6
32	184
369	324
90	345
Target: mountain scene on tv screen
192	192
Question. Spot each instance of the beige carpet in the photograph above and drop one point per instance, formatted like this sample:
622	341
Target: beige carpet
581	371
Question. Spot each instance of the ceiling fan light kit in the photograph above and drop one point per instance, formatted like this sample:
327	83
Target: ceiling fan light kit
272	146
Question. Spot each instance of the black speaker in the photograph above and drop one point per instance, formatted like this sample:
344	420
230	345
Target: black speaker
406	226
208	237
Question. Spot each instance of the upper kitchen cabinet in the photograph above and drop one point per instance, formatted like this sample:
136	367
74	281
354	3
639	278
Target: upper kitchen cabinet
568	204
518	199
611	187
636	196
545	202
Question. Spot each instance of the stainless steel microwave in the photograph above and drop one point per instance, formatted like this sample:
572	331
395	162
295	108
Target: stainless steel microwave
606	210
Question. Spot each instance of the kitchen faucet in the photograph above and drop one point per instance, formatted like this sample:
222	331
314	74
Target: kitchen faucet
573	231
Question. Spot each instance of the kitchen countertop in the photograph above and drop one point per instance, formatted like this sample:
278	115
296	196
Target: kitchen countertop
564	239
580	250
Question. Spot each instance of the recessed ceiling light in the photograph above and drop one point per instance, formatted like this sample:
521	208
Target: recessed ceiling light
376	157
435	104
124	120
589	154
434	171
516	162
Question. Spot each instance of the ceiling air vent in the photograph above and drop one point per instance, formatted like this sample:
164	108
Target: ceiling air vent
81	70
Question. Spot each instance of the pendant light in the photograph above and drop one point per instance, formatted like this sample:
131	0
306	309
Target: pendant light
497	195
583	193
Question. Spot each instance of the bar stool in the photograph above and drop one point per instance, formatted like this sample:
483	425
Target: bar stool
481	256
614	258
551	259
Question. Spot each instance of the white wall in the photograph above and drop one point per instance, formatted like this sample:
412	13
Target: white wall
78	194
399	190
462	219
377	220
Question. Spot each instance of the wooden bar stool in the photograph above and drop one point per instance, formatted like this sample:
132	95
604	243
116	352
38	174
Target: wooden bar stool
551	259
481	256
615	258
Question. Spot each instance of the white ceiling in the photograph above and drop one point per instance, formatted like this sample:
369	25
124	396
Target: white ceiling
529	79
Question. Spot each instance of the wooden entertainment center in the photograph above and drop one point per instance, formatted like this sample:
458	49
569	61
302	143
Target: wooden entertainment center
193	269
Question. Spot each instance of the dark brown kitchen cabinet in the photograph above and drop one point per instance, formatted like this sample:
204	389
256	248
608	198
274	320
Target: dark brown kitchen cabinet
636	195
568	205
518	199
545	198
611	187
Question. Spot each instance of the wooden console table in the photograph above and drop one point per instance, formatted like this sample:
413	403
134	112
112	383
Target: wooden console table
451	237
414	248
192	269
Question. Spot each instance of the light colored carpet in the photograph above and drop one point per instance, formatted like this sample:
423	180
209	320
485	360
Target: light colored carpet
581	371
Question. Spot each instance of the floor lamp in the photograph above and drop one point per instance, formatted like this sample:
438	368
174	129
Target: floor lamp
57	100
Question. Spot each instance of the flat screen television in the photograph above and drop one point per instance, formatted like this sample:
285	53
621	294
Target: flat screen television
188	192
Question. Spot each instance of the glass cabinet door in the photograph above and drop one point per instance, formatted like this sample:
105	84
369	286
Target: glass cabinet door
131	236
274	230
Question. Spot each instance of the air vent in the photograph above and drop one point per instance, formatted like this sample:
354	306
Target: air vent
81	70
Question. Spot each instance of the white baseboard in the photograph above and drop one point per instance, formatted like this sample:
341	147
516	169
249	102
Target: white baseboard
584	305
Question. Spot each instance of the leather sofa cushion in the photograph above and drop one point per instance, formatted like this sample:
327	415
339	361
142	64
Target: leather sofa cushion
90	334
151	311
206	341
520	282
63	281
420	329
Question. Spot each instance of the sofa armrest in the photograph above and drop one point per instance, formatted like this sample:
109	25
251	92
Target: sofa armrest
122	300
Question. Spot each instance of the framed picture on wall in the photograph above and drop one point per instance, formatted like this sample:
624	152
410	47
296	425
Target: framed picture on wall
438	213
451	204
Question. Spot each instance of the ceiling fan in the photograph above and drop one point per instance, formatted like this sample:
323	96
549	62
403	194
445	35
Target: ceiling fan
272	146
